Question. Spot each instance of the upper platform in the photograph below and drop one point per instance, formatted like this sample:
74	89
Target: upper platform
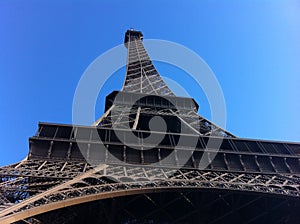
154	101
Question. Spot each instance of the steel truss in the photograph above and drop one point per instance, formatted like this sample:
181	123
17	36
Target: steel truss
102	174
112	181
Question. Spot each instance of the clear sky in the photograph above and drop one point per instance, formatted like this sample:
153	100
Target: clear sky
253	48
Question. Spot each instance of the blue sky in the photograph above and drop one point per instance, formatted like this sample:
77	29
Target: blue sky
252	46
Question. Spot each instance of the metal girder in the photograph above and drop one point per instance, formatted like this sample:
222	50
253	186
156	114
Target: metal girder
82	189
86	194
96	123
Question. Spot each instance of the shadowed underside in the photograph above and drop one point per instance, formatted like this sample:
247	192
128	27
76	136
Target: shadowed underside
177	206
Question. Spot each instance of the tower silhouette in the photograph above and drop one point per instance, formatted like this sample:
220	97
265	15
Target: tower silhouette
150	158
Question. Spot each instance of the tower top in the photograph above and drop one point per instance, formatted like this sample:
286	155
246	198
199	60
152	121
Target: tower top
132	34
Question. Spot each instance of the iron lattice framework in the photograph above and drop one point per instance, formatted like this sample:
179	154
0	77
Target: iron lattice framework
112	172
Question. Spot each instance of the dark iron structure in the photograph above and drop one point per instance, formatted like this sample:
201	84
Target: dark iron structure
116	172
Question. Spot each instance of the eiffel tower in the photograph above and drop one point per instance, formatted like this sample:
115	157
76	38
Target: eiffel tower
116	171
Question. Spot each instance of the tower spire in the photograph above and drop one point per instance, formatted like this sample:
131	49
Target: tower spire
141	75
142	78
